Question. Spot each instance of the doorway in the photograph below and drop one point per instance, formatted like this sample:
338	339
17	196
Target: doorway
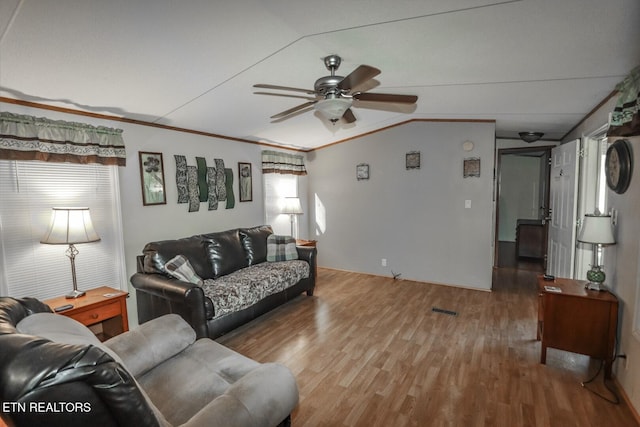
522	206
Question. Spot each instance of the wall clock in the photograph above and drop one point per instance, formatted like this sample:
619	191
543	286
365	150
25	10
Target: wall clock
619	166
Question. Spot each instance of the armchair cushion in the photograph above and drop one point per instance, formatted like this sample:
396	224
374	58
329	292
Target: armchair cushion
249	393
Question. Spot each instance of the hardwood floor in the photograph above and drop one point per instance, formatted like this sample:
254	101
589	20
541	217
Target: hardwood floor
369	351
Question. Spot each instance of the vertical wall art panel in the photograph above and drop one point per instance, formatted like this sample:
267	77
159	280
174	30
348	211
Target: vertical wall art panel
194	191
181	178
231	199
212	184
203	187
220	180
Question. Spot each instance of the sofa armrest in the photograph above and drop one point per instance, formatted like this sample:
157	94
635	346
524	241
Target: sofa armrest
152	343
309	254
183	298
263	397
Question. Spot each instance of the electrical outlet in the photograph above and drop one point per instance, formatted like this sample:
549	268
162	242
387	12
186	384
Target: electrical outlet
383	262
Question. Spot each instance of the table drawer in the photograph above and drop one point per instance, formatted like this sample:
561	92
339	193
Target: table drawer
97	314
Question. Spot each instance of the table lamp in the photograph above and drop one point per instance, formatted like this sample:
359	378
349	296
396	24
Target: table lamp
597	230
292	207
70	226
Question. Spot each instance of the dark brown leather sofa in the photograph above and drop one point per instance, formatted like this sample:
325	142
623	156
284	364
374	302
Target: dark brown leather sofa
213	256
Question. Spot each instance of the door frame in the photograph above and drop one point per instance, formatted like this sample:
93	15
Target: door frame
519	150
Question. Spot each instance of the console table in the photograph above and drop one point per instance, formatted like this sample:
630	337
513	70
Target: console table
577	320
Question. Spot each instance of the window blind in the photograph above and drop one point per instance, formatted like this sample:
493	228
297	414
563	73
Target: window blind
28	191
276	188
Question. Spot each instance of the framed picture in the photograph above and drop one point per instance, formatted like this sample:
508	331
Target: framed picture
362	171
152	179
245	182
471	167
413	160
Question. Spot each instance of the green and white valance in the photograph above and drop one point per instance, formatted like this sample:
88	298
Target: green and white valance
625	118
284	163
37	138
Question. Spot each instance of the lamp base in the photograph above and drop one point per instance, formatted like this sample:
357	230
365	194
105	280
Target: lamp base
75	294
595	286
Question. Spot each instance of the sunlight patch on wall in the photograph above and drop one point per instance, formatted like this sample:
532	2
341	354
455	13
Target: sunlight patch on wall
321	216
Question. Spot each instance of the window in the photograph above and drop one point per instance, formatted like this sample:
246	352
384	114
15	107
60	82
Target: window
28	191
276	188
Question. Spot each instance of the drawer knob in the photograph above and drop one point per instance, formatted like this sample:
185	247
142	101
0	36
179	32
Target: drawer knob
94	316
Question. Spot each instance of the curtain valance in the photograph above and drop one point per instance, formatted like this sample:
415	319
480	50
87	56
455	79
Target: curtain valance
38	138
625	118
285	163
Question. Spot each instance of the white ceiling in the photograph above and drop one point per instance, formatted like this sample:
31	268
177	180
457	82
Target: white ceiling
538	65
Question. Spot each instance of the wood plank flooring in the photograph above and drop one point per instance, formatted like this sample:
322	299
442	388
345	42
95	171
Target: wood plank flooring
369	351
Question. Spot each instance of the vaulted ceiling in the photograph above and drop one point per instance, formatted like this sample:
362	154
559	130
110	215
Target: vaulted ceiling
538	65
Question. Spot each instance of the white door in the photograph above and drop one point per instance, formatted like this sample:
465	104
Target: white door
563	192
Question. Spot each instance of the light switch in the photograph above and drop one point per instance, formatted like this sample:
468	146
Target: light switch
467	204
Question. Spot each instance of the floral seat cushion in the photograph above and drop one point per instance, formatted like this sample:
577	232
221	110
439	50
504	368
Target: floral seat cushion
247	286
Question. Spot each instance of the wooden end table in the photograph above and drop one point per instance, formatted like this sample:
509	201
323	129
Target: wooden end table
95	308
577	320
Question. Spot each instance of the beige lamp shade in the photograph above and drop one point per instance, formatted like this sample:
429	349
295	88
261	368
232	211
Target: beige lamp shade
69	226
597	229
292	206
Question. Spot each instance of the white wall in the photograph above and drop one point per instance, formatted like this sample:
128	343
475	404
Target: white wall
416	219
622	263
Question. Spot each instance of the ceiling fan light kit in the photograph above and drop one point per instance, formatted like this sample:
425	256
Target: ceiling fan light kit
530	136
333	97
333	109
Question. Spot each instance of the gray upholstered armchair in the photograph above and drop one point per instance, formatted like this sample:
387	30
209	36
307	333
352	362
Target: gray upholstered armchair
55	372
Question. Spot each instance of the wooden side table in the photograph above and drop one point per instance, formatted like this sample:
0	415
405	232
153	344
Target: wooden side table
577	320
94	308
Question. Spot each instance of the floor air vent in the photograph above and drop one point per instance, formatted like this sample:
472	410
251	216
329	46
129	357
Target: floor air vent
443	311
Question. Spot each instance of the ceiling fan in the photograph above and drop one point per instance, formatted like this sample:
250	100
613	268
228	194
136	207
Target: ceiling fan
332	96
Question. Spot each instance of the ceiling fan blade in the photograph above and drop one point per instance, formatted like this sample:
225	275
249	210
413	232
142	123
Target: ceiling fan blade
348	116
296	89
385	97
285	95
293	110
358	76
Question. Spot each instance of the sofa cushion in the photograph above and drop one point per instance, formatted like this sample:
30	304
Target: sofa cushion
246	287
281	248
180	268
254	241
225	252
157	254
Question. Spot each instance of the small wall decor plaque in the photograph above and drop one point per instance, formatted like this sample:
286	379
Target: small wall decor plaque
471	167
362	171
412	160
152	179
